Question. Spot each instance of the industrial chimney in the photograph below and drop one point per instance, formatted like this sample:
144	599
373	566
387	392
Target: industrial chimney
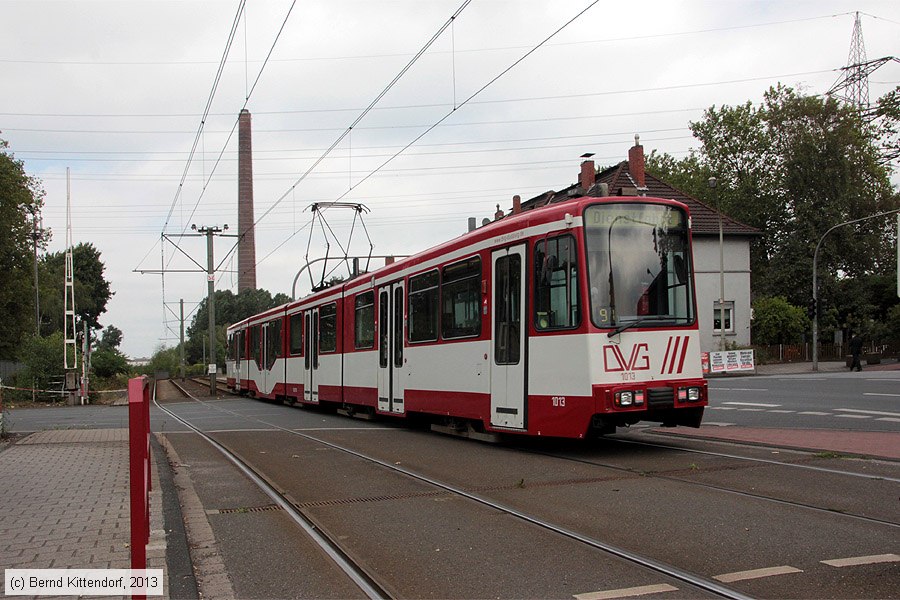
247	243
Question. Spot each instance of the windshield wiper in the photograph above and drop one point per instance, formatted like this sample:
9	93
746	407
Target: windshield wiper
644	319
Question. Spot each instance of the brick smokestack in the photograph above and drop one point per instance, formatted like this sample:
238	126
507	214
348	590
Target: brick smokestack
517	204
588	175
636	162
247	244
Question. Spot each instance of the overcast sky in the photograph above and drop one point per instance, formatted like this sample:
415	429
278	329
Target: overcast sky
115	91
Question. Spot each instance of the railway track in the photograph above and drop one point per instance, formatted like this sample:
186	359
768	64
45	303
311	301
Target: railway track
360	574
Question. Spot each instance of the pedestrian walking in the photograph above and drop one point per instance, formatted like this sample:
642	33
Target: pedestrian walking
856	344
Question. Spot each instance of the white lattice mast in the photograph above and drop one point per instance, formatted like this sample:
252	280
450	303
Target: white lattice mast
71	349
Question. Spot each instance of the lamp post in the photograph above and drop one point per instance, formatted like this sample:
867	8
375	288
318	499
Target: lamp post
712	184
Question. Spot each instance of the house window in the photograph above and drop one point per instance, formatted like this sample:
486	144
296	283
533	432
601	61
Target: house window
728	316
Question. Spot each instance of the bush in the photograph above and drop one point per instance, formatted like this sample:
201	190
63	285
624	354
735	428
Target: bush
776	321
109	362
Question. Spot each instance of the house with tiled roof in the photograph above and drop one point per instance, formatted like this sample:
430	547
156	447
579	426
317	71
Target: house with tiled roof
628	178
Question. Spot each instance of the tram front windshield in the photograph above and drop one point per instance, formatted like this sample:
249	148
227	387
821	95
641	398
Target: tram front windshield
639	265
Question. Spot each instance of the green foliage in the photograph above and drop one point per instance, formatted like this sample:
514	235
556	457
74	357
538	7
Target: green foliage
111	338
776	321
164	359
230	308
43	358
92	290
892	326
21	197
109	362
793	167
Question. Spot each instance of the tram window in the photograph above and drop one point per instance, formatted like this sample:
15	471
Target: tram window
365	320
254	344
328	328
556	284
229	348
273	342
383	329
297	334
461	299
423	307
507	302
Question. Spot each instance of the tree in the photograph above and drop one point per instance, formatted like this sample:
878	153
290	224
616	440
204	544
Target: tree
92	290
230	308
109	362
776	321
793	167
111	338
21	200
43	358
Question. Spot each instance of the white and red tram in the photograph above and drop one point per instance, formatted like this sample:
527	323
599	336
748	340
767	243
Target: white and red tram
568	320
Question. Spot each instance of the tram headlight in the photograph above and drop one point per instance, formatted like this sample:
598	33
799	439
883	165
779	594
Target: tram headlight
624	398
690	394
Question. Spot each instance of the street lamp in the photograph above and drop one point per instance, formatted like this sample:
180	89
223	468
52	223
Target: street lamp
712	184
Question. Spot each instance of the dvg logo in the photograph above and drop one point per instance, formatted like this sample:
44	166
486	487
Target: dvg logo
614	361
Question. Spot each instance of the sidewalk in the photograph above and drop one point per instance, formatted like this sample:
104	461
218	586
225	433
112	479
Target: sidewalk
797	368
65	503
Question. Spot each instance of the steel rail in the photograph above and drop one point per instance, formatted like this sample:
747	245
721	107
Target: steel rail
649	563
717	488
353	570
760	460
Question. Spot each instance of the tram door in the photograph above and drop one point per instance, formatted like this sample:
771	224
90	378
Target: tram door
508	338
310	355
390	348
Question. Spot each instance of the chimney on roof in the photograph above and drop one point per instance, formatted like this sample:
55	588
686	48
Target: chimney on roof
517	204
636	162
388	260
587	175
499	214
247	239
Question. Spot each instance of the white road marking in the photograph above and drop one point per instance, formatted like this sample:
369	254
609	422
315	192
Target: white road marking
885	379
877	394
627	592
761	404
869	412
718	424
722	408
814	413
889	419
756	574
783	412
862	560
852	416
752	409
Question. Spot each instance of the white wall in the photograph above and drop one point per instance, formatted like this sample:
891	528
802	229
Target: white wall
737	288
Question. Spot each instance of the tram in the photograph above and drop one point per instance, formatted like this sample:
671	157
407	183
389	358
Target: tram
567	321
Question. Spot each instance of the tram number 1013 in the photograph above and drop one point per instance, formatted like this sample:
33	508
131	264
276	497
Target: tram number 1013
559	401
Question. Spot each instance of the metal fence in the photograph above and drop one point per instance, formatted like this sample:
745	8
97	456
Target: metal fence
782	353
9	368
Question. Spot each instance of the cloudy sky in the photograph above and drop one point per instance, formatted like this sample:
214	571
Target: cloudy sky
116	90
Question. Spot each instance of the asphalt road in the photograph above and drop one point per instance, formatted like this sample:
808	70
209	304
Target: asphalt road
865	401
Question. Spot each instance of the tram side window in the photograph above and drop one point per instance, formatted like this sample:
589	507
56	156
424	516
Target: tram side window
254	344
273	342
297	334
364	328
229	348
328	328
556	284
423	307
461	299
